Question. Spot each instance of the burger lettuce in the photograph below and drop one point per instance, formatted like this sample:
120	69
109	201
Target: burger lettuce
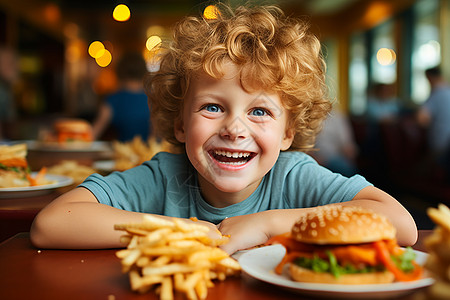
330	264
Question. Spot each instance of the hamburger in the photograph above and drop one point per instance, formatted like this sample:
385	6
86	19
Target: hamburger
73	132
13	165
337	244
14	169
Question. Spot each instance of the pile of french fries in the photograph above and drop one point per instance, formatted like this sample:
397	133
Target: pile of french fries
438	247
130	154
171	255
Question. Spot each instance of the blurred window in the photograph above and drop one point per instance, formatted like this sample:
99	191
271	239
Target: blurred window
358	74
330	52
426	47
383	54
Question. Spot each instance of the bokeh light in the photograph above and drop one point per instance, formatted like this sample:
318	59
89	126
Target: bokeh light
96	49
105	59
52	13
211	12
386	56
75	50
121	13
153	42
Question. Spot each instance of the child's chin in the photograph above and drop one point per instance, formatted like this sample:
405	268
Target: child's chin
231	186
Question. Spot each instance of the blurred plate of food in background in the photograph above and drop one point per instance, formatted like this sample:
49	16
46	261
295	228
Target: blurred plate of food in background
72	169
54	182
96	146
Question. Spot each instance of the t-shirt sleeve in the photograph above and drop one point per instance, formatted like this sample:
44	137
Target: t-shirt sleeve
138	189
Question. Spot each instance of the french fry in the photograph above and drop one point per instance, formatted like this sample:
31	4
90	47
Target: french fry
201	288
166	289
178	279
438	246
440	216
168	255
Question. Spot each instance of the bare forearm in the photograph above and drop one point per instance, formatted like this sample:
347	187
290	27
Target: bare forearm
80	225
77	221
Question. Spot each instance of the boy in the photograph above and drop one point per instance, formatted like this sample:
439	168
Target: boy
233	94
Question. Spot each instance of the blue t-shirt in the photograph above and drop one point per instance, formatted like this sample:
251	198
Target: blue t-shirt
130	114
167	185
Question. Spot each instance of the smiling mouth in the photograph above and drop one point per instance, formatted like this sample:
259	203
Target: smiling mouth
231	158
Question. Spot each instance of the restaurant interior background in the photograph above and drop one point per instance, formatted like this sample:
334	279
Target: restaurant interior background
365	42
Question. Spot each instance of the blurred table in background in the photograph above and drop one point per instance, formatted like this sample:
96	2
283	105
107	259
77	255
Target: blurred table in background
41	156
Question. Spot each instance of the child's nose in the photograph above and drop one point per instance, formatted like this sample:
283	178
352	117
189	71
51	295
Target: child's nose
234	129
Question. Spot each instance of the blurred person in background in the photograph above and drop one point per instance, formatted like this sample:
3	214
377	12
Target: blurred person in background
337	149
127	109
9	73
435	116
383	105
383	110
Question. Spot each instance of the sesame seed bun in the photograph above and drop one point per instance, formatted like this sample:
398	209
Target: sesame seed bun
336	224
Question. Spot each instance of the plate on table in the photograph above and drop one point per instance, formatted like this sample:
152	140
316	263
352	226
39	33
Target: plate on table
260	263
31	191
96	146
104	165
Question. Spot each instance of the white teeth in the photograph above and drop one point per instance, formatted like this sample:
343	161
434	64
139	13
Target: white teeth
234	163
232	154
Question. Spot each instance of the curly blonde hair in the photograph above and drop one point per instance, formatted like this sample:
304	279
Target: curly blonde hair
258	40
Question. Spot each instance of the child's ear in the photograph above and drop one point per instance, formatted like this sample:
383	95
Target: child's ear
179	131
287	139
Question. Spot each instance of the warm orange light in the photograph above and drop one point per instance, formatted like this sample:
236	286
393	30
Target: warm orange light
95	49
106	81
71	30
376	12
52	14
105	59
211	12
121	13
75	50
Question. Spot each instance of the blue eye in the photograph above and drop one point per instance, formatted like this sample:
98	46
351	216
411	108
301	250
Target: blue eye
259	112
212	108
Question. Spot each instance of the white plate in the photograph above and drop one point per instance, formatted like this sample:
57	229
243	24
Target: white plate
104	165
96	146
260	263
31	191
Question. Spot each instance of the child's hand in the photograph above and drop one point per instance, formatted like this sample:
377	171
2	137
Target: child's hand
245	232
213	233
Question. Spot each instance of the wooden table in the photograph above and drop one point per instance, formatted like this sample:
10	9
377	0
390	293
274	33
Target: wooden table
30	273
